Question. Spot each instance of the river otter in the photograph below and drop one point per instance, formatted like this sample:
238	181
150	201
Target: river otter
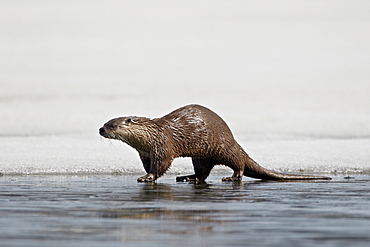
190	131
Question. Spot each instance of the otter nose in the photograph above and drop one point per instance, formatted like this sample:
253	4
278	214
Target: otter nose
101	131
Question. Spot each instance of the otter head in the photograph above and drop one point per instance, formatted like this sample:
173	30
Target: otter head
131	130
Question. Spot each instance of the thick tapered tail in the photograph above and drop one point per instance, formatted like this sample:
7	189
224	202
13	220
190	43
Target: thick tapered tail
254	170
271	175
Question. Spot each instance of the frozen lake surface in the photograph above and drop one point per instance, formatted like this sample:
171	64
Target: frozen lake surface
89	154
108	210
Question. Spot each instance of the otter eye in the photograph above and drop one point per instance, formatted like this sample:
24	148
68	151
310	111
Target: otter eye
128	120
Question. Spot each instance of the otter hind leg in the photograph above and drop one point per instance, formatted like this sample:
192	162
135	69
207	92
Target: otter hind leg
202	168
237	176
186	178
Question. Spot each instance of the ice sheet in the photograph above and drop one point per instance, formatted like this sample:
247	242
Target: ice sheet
291	79
90	154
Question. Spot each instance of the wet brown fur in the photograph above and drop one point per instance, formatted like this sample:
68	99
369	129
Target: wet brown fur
190	131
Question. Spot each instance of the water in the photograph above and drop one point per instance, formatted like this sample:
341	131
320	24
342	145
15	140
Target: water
96	210
290	78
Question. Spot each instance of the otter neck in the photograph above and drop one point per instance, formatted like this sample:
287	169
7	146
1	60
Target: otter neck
140	144
144	138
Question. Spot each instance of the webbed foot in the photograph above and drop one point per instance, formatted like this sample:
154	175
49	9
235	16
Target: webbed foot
186	178
147	178
191	179
231	179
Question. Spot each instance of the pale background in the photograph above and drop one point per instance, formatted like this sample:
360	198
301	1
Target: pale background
291	78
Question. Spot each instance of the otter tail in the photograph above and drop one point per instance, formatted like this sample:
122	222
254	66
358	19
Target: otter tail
254	170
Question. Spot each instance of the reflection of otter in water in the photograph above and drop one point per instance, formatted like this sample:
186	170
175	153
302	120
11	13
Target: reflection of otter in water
190	131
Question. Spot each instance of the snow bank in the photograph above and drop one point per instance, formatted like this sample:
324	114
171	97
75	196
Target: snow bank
92	154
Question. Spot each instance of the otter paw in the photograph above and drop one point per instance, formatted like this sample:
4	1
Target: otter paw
230	179
227	179
182	179
186	178
147	178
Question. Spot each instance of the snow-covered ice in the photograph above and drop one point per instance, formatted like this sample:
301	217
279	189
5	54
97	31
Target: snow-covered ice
291	79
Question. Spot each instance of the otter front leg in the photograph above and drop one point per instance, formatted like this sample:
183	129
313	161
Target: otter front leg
237	176
146	162
157	168
150	177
